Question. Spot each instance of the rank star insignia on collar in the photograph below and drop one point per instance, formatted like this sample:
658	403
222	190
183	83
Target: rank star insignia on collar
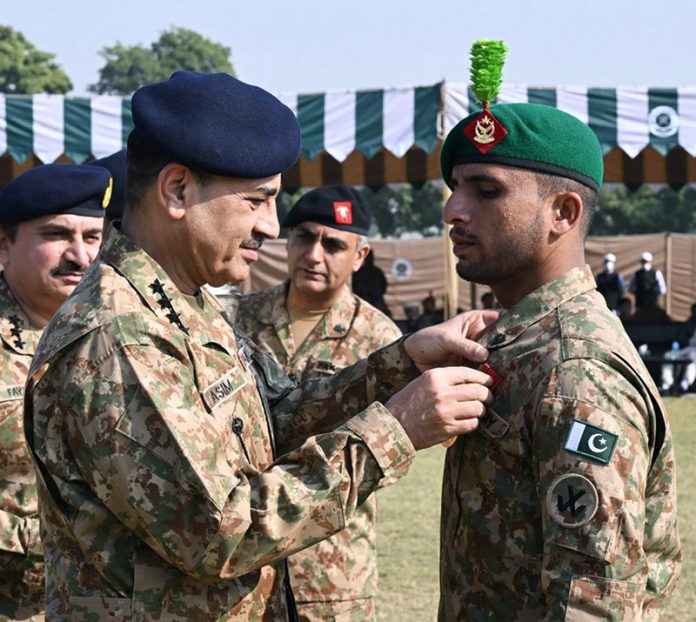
165	303
485	131
16	331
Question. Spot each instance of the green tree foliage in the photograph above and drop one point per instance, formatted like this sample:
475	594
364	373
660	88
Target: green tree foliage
404	209
646	210
128	67
25	70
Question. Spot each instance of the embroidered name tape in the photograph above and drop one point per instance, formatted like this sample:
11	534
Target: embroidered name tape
224	388
11	392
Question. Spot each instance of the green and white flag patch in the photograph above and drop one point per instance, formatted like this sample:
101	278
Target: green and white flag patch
591	442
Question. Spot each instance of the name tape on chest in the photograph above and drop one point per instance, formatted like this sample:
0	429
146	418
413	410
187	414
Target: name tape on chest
590	441
11	392
224	388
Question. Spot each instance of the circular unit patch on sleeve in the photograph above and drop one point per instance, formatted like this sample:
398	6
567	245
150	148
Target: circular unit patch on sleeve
572	500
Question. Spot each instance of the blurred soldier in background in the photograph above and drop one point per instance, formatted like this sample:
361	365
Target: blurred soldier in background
647	283
610	283
314	326
50	231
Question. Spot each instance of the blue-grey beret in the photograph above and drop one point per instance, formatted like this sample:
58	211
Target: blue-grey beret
217	124
116	165
56	189
339	207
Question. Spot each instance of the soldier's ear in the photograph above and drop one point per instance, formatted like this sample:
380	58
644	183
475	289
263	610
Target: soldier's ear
566	212
174	187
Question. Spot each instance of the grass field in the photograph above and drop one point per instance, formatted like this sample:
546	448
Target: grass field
409	527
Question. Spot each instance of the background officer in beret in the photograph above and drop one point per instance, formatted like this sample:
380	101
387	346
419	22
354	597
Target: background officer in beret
562	504
172	485
314	326
50	231
117	166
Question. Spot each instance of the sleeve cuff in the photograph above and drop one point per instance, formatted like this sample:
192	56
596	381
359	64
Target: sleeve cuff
385	438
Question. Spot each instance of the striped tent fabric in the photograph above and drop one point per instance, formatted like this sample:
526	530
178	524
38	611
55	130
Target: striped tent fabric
380	136
51	125
628	118
337	123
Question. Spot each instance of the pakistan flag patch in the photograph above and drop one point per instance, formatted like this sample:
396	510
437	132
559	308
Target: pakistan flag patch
591	442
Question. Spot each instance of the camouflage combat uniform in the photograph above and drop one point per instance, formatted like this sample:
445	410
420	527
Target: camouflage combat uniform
159	494
336	578
562	505
21	554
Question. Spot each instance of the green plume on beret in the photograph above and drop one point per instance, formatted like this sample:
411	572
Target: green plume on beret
487	59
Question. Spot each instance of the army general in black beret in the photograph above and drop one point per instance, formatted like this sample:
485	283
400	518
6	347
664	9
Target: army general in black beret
218	124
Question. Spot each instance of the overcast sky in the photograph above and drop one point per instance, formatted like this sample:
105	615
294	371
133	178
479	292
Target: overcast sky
306	46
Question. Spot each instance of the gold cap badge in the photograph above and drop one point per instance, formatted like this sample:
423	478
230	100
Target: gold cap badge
107	193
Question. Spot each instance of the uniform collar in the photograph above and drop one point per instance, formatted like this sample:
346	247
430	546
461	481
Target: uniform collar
335	324
338	320
538	304
16	331
195	316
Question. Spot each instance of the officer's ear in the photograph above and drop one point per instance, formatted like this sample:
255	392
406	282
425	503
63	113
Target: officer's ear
360	255
566	213
174	185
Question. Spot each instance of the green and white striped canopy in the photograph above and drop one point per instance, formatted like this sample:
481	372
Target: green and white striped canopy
341	122
630	118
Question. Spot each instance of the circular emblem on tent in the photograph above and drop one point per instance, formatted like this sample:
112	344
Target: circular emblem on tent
663	121
401	269
572	500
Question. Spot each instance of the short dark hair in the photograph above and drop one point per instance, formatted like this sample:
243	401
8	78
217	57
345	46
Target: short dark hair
550	184
10	230
145	160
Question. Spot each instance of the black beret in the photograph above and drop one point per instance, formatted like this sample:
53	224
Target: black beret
116	165
217	124
56	189
338	207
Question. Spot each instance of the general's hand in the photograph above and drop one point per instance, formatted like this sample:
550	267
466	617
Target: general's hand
452	342
441	403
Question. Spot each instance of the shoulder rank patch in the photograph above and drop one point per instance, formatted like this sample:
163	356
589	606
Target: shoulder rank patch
572	500
589	441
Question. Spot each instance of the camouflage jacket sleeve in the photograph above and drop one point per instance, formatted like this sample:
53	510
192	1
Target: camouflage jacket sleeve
322	404
608	516
170	469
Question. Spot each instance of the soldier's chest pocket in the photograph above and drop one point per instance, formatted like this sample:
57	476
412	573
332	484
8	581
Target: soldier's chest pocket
225	388
504	426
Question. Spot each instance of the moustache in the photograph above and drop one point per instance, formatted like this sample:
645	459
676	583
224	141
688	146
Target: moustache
67	267
461	234
254	243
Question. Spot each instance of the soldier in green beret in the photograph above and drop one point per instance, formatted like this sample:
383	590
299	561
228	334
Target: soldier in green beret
562	504
50	230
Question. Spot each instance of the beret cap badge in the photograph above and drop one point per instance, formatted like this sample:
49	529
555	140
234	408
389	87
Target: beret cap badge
107	193
485	131
343	211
